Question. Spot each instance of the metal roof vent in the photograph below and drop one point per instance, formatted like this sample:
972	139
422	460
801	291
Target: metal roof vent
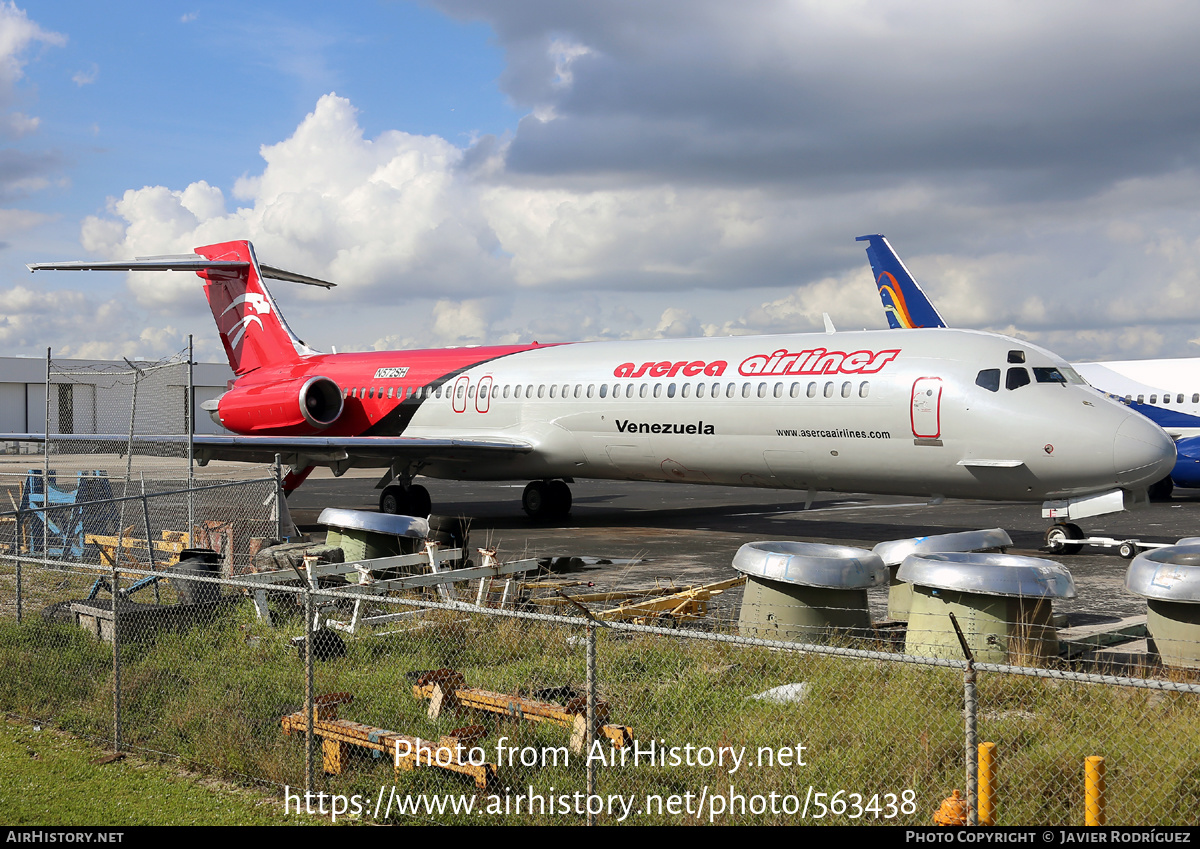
1169	580
366	535
1002	602
894	551
806	592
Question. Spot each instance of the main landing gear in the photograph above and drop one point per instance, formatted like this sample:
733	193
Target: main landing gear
543	501
546	501
411	501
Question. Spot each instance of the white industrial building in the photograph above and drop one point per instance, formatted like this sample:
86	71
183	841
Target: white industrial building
95	396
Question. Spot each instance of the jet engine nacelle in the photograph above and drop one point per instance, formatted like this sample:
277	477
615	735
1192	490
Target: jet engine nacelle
312	401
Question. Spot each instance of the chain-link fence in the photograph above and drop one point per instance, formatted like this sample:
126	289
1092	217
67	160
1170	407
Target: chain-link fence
153	612
440	709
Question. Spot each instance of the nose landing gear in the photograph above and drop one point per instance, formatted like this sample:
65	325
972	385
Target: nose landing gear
1059	538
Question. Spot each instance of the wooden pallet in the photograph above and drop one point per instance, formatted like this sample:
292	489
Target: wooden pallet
446	689
408	753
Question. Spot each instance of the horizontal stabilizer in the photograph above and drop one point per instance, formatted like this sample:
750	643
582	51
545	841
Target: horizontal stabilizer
179	262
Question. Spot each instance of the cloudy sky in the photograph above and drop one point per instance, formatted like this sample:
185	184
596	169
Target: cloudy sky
508	170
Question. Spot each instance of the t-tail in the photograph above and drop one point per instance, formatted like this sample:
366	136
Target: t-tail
903	300
253	332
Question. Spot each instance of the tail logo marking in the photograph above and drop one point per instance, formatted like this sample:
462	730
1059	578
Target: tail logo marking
256	302
893	293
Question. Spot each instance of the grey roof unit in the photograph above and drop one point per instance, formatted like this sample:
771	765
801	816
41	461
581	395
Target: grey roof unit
894	551
988	574
811	564
1166	574
380	523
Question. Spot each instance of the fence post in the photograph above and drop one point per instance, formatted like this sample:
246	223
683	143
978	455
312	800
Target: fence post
116	626
309	699
191	434
20	532
591	714
278	499
46	469
590	685
970	713
149	539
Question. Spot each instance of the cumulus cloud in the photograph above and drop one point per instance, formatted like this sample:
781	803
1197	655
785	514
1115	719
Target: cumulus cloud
82	78
17	34
1057	98
21	171
696	167
33	319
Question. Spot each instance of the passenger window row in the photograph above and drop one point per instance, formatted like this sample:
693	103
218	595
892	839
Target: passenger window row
747	389
1166	398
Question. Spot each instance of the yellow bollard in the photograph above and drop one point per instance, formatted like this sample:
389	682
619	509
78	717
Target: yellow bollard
987	784
1093	782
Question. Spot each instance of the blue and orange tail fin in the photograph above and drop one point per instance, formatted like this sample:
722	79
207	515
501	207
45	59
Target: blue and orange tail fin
904	302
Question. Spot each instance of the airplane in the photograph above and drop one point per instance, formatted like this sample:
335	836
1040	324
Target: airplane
1140	384
844	411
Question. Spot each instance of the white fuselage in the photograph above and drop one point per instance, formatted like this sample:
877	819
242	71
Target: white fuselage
870	411
1166	391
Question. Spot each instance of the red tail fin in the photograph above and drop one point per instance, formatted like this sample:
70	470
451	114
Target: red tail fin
252	330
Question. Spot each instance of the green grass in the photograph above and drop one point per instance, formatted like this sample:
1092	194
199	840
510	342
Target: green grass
213	696
50	778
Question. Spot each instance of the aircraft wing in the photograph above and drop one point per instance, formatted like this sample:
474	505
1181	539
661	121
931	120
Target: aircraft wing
336	452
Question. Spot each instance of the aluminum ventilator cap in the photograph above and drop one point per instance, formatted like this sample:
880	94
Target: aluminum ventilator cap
1166	574
811	564
380	523
988	574
894	551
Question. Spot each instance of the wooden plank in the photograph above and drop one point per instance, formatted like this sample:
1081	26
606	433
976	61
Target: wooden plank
408	752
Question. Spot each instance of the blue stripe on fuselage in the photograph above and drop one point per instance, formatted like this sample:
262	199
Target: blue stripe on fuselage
1165	418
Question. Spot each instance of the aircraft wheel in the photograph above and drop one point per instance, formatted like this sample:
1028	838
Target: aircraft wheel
413	501
535	501
419	501
1161	491
560	498
392	500
1127	550
1058	539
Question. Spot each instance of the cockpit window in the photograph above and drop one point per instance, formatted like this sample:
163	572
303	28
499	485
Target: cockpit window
1073	377
1016	356
1048	375
1017	377
989	379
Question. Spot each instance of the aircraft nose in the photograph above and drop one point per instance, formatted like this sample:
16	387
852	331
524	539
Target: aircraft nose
1142	452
